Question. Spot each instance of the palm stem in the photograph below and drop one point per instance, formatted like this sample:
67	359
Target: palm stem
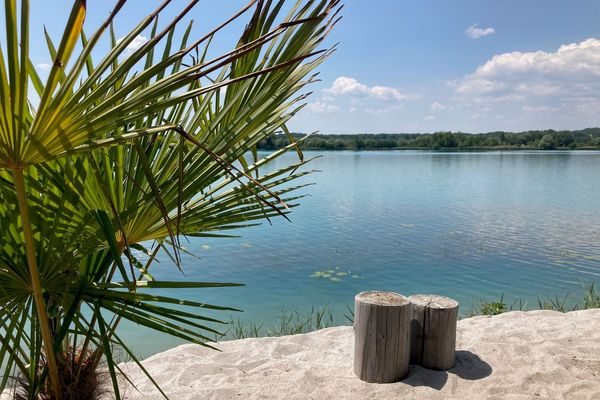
36	286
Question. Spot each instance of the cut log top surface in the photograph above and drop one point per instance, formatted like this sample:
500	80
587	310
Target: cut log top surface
432	301
382	298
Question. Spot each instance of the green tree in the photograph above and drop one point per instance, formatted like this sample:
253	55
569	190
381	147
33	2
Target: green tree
564	139
547	142
124	154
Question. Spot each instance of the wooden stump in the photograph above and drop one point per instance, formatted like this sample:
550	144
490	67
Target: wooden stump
381	336
433	331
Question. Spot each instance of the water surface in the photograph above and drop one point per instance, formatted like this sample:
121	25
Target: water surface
466	225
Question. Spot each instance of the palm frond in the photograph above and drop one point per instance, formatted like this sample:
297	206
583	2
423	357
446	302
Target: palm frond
130	149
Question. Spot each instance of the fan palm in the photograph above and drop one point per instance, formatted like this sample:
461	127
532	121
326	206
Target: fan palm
122	155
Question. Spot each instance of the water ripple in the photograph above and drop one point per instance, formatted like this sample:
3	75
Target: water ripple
467	225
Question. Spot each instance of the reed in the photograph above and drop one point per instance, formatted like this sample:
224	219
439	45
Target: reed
294	322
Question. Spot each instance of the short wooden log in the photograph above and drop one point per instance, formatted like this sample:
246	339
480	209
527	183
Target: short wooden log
381	336
433	331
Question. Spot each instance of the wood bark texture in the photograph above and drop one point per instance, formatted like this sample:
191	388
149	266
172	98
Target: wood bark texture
433	331
381	336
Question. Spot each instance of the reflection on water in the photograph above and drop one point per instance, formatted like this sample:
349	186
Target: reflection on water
466	225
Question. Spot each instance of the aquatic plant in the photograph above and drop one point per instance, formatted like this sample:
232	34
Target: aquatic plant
123	154
554	303
334	274
289	323
493	307
591	299
565	303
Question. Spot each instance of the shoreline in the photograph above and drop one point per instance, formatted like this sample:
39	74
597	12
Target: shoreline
518	354
449	149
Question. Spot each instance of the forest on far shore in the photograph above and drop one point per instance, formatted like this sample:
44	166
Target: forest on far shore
584	139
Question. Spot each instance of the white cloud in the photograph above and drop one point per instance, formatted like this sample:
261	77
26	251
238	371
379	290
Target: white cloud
386	93
345	85
322	107
577	60
384	110
437	106
475	32
429	118
135	44
536	109
558	88
546	79
473	84
44	66
349	95
349	86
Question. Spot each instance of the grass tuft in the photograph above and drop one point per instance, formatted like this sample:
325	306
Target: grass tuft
294	322
290	323
486	307
591	299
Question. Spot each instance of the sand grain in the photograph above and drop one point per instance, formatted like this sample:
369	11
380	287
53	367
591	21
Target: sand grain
517	355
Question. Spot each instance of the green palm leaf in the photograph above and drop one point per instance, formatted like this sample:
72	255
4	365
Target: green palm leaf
132	149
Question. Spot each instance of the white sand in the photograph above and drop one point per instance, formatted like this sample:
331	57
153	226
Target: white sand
517	355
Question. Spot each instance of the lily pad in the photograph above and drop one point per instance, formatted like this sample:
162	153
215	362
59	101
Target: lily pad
334	274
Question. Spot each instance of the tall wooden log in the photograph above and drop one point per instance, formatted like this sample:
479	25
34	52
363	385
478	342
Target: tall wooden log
433	331
381	336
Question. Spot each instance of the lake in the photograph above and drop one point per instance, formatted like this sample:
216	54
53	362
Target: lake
469	225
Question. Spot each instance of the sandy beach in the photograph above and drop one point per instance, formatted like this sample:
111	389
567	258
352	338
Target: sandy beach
516	355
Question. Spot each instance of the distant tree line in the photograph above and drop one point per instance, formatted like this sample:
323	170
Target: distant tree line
588	138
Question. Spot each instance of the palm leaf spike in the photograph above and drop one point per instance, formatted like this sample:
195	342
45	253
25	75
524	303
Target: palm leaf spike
101	134
67	45
181	77
13	159
229	167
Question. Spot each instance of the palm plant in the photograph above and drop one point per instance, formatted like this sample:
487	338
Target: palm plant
125	154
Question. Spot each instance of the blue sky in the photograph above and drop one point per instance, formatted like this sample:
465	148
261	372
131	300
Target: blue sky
423	66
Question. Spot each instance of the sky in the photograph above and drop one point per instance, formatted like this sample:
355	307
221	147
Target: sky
421	65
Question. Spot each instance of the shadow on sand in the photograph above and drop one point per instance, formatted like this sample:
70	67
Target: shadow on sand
468	366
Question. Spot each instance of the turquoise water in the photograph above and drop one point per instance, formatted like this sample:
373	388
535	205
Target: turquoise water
465	225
